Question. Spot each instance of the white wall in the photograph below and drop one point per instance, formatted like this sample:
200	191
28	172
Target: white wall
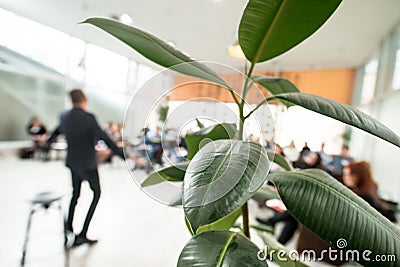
384	106
302	125
383	156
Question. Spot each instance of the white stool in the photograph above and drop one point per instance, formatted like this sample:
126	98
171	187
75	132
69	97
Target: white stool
45	200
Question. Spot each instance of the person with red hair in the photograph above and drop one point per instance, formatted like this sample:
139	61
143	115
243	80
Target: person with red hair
357	176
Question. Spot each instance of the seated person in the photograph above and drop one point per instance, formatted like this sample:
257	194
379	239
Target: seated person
306	161
38	134
335	167
153	138
358	177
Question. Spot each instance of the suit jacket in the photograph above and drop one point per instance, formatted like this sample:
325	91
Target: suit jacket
82	132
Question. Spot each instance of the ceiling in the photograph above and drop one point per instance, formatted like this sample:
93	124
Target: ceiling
205	29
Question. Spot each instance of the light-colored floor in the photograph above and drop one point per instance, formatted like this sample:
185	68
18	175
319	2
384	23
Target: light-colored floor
133	229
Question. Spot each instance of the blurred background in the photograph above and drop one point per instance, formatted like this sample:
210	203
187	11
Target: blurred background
354	59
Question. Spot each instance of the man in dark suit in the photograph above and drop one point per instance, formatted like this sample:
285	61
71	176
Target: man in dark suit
82	132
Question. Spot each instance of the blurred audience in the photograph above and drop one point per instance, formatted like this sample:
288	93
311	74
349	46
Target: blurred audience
38	135
156	147
306	161
305	149
291	152
153	139
325	158
309	160
335	167
114	132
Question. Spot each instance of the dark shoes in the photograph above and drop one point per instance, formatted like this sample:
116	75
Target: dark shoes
69	238
80	240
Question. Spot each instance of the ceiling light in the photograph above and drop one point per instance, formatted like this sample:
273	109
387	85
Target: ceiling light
236	51
126	18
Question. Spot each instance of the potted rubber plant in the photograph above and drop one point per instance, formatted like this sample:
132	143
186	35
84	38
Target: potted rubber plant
268	28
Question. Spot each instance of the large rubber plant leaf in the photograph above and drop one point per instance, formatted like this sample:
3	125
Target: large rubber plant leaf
269	28
224	223
276	85
173	173
215	132
280	160
221	177
157	50
220	248
343	113
267	193
334	212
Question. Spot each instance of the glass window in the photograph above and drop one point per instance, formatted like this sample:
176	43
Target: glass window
106	69
144	73
132	79
396	72
369	81
7	31
77	59
34	40
84	63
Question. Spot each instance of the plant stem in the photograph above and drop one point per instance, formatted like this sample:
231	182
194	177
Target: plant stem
259	105
241	126
242	118
234	97
245	216
245	209
246	84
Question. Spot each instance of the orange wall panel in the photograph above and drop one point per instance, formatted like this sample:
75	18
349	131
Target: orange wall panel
334	84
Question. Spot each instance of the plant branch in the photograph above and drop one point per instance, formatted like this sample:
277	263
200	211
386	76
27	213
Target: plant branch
241	124
234	97
245	208
258	106
246	86
245	216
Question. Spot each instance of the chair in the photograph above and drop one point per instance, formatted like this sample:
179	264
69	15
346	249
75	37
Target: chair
44	201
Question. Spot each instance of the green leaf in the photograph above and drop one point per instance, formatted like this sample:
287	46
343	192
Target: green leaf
173	173
267	192
221	178
334	212
157	50
276	85
280	160
343	113
224	223
220	248
270	28
215	132
187	223
262	229
199	124
283	260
